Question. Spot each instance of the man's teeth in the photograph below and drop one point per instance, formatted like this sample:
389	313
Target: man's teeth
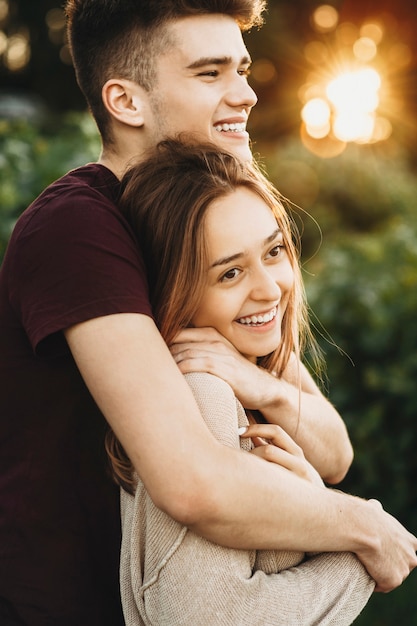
236	128
258	319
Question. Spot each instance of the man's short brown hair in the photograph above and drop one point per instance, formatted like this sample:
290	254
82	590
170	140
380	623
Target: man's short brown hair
121	39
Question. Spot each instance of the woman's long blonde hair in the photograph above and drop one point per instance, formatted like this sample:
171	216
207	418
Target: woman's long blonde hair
165	200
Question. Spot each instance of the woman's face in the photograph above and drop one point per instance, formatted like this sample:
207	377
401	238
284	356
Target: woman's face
250	276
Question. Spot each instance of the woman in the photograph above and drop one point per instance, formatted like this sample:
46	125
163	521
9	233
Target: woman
219	251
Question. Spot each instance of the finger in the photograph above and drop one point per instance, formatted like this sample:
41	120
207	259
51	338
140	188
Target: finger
275	435
295	464
190	353
259	441
192	335
284	459
208	364
189	364
188	347
216	352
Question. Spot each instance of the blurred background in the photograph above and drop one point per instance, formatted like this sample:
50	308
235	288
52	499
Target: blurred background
336	127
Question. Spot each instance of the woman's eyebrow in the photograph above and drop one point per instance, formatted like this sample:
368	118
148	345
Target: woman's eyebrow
228	259
274	235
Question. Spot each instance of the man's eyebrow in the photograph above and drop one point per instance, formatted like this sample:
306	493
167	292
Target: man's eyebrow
225	60
228	259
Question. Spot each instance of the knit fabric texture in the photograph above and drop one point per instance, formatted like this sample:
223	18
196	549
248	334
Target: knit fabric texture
172	577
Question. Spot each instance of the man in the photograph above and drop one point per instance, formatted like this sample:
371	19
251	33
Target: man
77	342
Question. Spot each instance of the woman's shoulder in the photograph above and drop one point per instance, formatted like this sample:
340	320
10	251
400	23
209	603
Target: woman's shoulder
218	406
209	383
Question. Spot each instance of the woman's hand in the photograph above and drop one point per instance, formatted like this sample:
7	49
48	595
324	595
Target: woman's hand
206	350
292	401
273	444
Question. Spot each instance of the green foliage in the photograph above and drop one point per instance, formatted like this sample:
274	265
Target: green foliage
366	297
362	287
32	156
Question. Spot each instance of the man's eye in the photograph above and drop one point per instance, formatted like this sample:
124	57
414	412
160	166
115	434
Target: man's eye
211	73
245	72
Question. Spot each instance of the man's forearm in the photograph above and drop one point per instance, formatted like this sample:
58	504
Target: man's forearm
253	506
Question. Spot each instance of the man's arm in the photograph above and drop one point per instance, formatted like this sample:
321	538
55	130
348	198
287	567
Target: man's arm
226	495
304	413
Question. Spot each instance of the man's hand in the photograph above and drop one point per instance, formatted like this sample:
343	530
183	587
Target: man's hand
393	556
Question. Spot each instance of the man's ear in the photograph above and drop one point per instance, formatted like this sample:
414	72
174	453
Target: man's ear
124	101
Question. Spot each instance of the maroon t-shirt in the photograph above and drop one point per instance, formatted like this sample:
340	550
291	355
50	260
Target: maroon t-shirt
72	257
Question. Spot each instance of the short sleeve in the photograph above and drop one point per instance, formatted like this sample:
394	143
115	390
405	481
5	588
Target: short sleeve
72	259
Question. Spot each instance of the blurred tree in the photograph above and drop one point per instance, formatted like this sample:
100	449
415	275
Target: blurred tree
32	156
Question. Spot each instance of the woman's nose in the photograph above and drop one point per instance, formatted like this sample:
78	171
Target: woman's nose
265	286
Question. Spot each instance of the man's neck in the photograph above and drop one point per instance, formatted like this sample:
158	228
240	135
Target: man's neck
117	162
113	163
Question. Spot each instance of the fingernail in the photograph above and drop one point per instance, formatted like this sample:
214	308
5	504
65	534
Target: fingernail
242	430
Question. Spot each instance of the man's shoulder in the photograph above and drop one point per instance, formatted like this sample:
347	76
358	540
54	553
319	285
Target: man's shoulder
82	191
82	201
91	180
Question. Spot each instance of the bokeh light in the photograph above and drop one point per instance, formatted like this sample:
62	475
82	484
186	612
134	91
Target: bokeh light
347	96
17	54
263	71
15	49
365	49
355	91
3	42
316	115
372	30
4	10
325	18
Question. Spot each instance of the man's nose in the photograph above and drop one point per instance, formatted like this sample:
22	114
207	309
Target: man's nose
241	93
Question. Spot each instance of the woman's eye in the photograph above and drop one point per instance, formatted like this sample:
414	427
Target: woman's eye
230	275
244	72
276	250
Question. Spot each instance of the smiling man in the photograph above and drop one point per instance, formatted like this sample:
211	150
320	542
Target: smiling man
199	87
78	345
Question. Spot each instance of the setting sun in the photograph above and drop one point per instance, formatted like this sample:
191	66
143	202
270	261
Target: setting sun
347	88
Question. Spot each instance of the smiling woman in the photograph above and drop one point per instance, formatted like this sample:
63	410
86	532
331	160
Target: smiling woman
219	251
250	273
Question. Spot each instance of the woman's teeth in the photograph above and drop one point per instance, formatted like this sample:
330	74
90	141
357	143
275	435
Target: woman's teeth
258	319
236	128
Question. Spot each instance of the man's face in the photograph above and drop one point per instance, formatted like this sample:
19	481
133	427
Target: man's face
201	87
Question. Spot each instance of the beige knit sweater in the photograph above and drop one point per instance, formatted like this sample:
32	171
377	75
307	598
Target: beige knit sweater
172	577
